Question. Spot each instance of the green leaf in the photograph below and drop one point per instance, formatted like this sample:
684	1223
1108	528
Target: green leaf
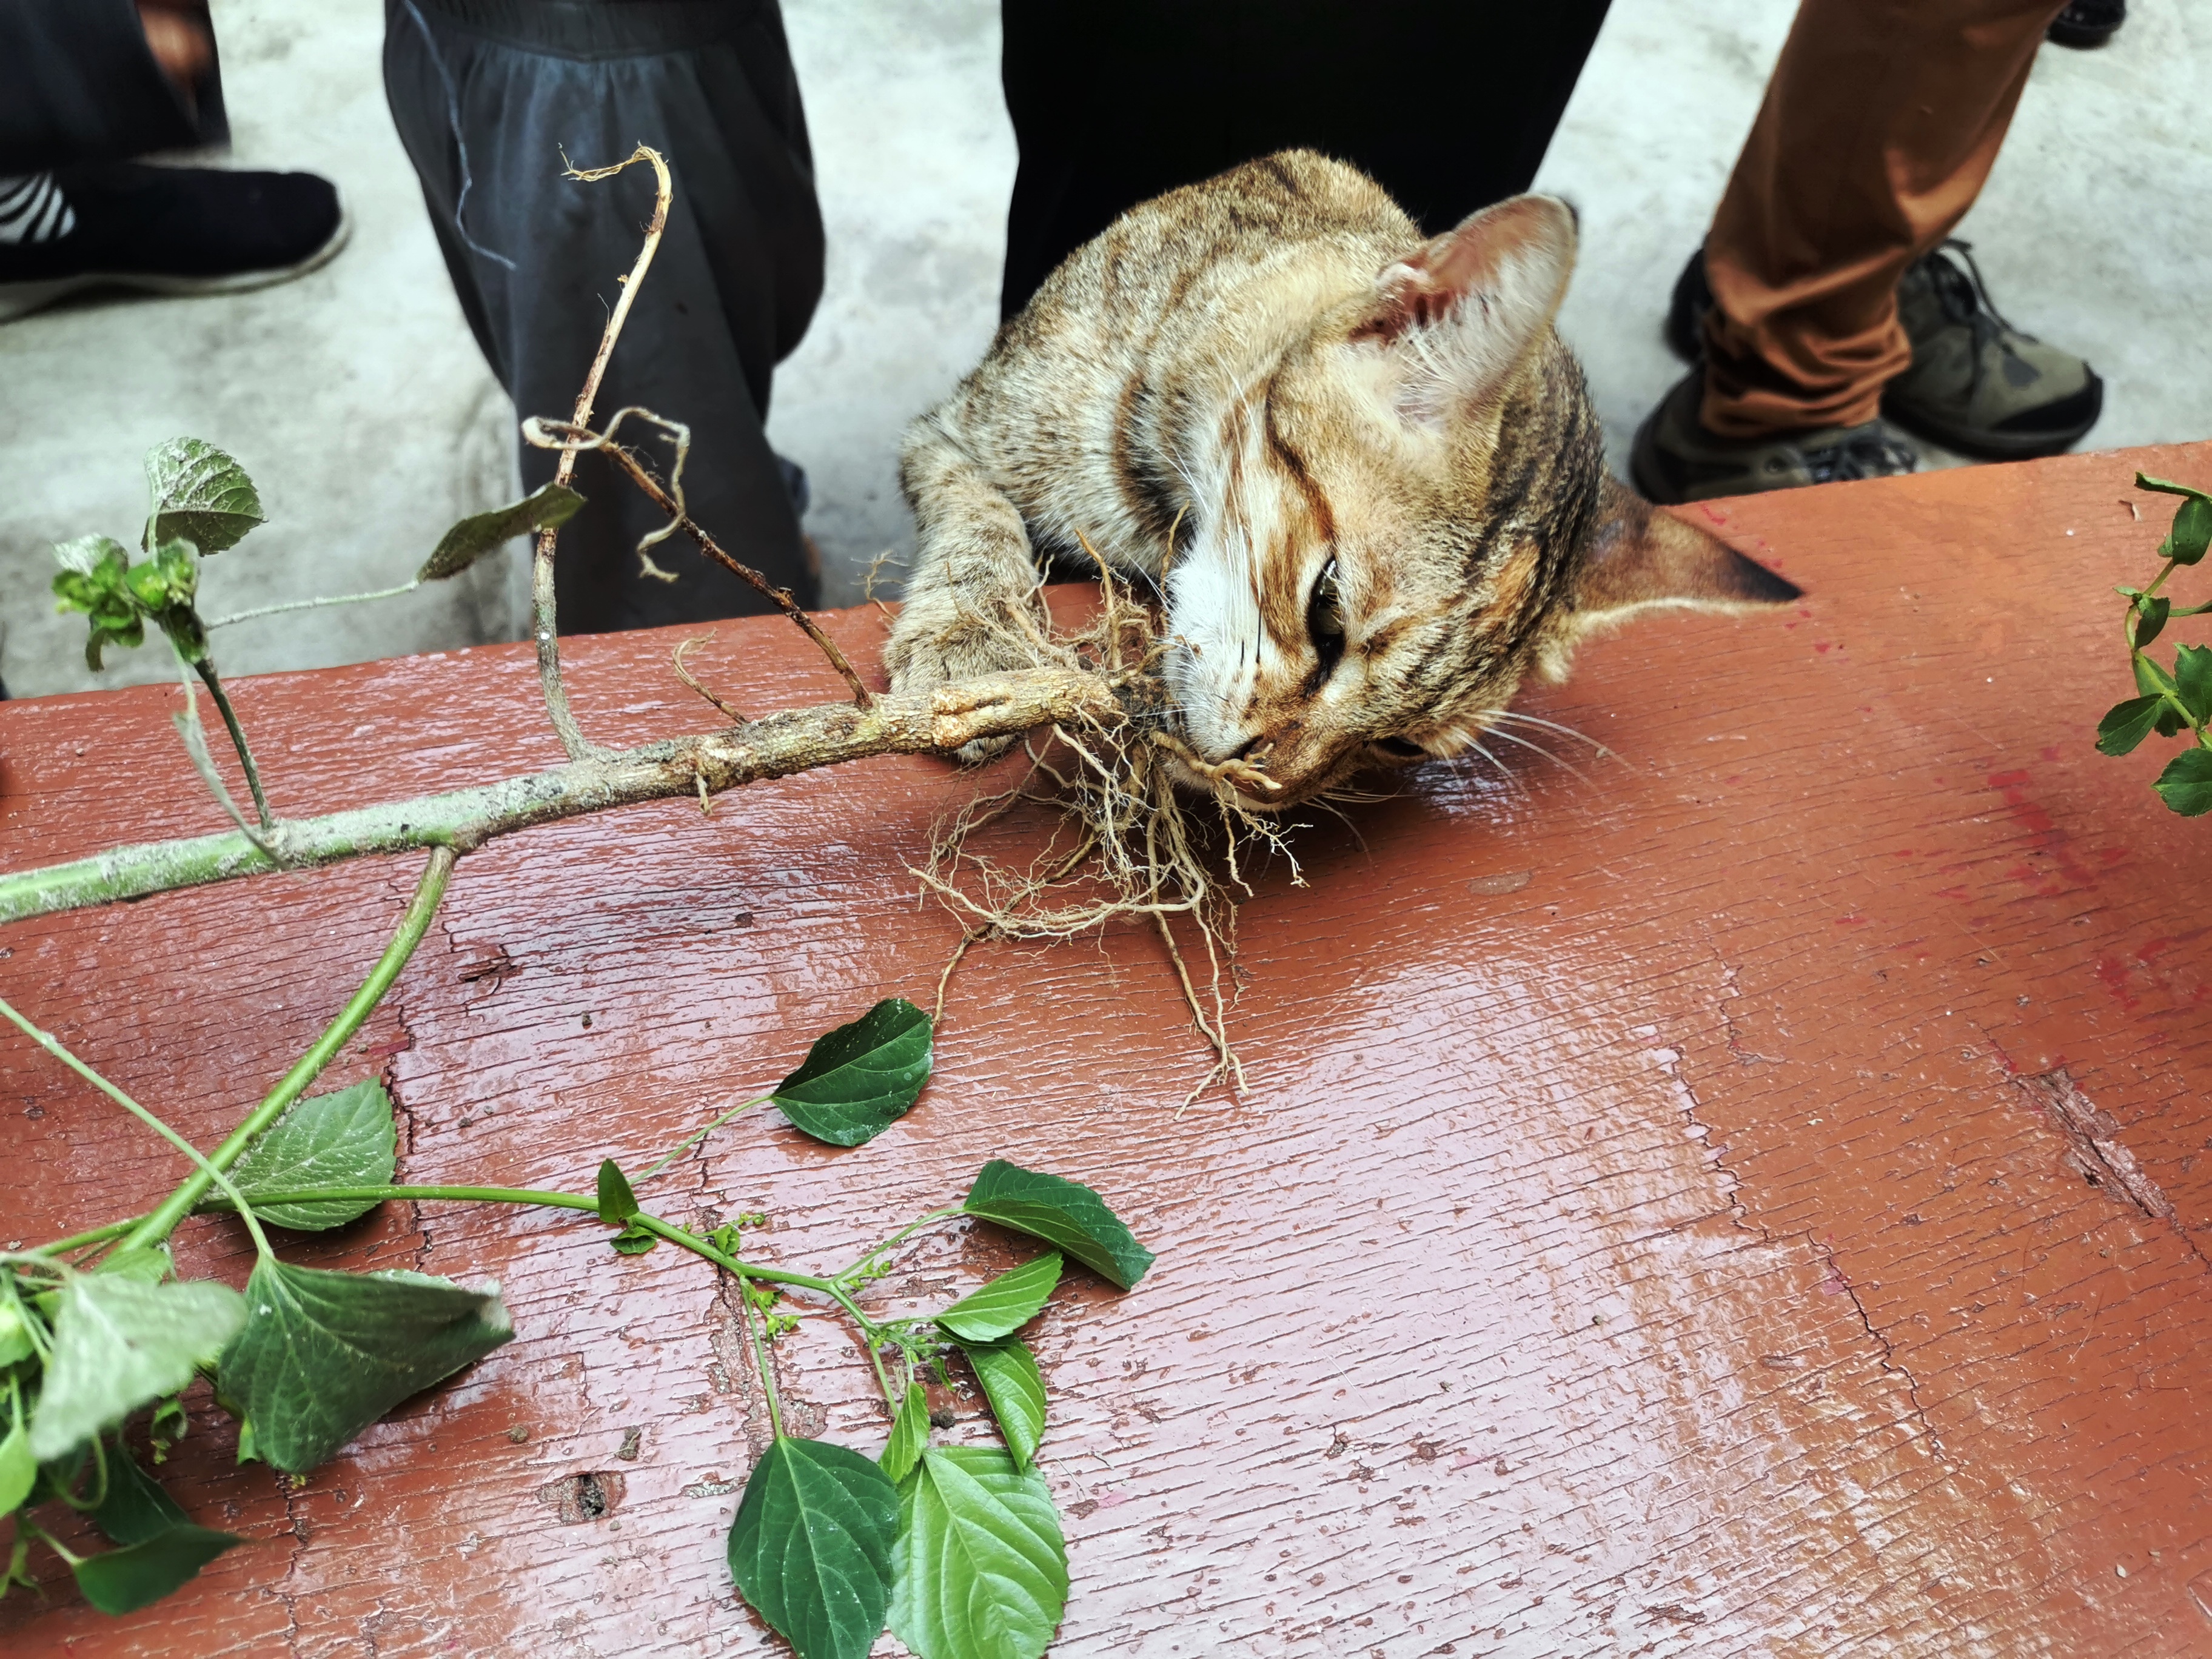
125	1580
2150	678
811	1548
2186	784
150	1264
2192	531
201	494
634	1241
344	1138
980	1571
617	1204
2192	680
166	1427
2127	724
1005	1305
1015	1387
130	638
19	1470
860	1078
474	536
15	1572
119	1342
94	580
1062	1213
2166	486
909	1434
324	1354
135	1508
2150	619
14	1335
90	556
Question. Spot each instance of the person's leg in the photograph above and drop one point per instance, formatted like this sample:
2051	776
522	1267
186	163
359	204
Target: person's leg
84	85
87	81
1115	102
1879	128
492	98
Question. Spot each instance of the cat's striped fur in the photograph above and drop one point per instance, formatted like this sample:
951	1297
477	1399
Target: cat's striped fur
1379	466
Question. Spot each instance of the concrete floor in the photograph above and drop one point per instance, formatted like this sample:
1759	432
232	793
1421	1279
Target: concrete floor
358	401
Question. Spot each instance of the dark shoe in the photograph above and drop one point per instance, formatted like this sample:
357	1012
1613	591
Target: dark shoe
1975	384
2087	22
1686	311
1675	460
161	230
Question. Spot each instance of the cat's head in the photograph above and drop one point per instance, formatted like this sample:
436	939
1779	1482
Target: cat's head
1409	514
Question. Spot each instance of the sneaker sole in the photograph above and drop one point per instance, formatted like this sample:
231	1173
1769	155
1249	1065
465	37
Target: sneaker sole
21	299
2081	39
1989	446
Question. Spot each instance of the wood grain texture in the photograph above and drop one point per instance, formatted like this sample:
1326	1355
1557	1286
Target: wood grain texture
1641	1235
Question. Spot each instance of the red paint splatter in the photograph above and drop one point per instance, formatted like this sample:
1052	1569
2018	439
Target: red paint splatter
1850	921
2114	974
2044	837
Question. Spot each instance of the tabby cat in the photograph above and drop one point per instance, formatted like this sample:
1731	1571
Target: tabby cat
1360	467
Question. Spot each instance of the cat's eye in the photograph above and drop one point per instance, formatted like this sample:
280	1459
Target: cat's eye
1325	620
1398	749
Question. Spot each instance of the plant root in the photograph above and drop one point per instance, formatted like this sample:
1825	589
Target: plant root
1125	841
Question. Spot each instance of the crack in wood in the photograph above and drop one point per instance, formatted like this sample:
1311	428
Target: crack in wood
2095	1150
1741	1214
1890	1362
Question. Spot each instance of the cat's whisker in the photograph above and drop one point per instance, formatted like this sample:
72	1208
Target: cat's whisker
1539	748
1503	770
1550	726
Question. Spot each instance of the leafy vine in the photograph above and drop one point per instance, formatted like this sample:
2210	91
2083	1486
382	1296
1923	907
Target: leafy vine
2171	700
958	1548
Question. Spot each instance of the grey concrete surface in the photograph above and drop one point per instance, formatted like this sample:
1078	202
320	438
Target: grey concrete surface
359	403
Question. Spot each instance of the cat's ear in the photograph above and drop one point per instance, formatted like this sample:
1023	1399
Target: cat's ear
1636	556
1463	308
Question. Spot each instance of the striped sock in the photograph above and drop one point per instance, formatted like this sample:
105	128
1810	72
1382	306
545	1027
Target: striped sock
33	209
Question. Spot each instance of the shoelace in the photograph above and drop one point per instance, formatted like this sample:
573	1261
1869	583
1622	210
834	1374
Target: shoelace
1963	292
1868	455
1964	298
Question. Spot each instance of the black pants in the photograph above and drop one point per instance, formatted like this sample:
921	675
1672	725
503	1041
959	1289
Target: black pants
488	96
79	84
1448	104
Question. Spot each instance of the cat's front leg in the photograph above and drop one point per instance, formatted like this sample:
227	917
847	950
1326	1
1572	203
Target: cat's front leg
971	598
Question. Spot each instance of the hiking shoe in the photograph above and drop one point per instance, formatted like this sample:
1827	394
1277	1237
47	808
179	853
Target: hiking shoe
2087	23
1675	460
1975	384
1686	310
159	230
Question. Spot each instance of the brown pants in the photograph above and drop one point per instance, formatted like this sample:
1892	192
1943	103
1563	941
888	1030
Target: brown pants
1880	125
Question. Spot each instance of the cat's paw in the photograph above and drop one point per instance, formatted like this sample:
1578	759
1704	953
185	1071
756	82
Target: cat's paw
933	643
